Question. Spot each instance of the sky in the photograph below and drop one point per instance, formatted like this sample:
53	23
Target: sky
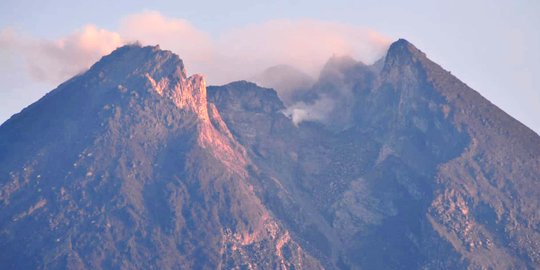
493	46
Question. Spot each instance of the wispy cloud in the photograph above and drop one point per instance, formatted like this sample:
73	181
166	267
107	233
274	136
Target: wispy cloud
305	44
178	35
55	60
234	54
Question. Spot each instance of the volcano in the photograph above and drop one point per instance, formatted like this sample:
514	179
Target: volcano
133	164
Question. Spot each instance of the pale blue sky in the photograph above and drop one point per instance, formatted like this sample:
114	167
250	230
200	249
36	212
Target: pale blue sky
493	46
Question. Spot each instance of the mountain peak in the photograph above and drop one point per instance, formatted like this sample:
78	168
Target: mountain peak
404	46
133	59
160	70
403	58
402	52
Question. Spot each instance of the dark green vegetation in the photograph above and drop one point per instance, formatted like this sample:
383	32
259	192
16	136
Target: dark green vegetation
134	165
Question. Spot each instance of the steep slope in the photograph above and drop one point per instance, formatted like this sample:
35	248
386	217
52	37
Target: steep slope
126	166
409	169
488	208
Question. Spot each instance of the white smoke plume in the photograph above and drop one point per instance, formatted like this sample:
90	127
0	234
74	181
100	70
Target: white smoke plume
318	111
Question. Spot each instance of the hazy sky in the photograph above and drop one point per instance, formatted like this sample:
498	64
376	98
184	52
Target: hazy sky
493	46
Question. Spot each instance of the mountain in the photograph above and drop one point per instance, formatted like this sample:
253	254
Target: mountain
396	165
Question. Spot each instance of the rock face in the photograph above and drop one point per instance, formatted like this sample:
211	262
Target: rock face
135	165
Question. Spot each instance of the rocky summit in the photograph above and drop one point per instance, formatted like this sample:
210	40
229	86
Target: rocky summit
396	165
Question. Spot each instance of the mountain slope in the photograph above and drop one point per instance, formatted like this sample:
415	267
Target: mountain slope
397	165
